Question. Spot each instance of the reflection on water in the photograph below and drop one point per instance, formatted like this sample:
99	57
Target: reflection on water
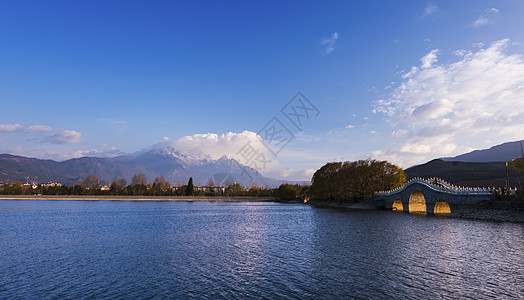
55	249
417	203
397	206
442	208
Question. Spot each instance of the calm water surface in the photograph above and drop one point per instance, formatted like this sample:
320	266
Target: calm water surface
155	250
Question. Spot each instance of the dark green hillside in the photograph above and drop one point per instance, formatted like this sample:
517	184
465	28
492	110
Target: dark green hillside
15	168
472	174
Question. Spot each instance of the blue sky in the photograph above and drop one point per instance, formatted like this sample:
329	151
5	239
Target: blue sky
406	81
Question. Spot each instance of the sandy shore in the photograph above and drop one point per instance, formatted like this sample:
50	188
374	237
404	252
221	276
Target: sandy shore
136	198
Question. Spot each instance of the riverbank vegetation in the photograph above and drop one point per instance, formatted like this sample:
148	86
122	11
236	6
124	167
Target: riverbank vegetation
335	182
355	181
139	186
518	164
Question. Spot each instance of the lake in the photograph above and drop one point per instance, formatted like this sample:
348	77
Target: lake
224	250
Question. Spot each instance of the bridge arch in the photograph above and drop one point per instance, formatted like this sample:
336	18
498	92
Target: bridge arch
417	202
420	195
397	205
442	208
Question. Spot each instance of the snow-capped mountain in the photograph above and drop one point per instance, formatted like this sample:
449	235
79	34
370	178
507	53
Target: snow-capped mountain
178	166
175	166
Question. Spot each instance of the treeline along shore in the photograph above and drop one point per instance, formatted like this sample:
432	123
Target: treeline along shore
349	185
159	190
138	198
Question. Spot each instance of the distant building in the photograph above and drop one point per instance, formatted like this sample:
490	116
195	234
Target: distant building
52	184
30	185
210	189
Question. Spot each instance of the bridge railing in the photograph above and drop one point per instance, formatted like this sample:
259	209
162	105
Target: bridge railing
442	186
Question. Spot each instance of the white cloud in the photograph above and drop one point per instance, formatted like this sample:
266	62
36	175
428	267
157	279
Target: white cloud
488	17
64	136
55	136
10	127
482	20
432	110
443	109
231	144
461	52
298	175
429	59
430	10
350	126
104	152
399	133
40	128
415	149
478	45
216	145
330	43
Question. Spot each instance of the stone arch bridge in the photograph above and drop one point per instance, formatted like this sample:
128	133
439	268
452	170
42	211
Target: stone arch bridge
432	196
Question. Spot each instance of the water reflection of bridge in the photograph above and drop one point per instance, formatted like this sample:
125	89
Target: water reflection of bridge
431	196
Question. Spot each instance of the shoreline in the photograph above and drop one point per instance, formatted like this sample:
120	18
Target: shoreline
497	212
489	211
138	198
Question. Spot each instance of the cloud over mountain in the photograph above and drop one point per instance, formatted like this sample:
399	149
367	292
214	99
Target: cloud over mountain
246	147
64	136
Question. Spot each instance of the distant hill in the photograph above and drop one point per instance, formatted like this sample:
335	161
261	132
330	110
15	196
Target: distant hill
479	168
502	152
175	166
472	174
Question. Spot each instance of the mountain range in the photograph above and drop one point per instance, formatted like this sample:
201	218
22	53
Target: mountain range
502	152
176	167
477	168
470	174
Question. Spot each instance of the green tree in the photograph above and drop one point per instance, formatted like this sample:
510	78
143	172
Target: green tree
288	191
325	185
518	164
190	187
161	186
352	181
78	189
235	189
117	186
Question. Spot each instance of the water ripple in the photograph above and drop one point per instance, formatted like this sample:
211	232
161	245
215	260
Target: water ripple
173	250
